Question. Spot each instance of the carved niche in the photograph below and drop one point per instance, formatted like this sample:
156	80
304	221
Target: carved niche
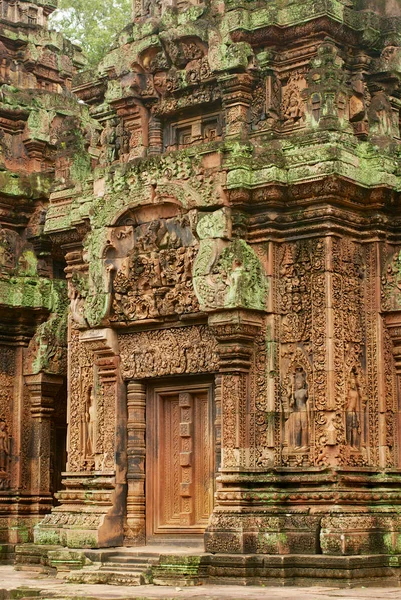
292	103
92	397
7	381
155	278
9	248
297	415
265	107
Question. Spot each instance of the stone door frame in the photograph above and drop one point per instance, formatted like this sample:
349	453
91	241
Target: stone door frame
183	386
137	531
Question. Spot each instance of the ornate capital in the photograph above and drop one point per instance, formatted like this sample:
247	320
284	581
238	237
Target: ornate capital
237	88
43	388
235	331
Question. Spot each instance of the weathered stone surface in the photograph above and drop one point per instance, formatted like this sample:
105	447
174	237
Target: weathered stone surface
203	232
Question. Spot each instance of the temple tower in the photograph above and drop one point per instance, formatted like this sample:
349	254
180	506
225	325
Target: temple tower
233	265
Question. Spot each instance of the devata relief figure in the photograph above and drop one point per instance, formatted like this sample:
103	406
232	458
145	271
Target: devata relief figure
298	421
4	446
353	427
88	425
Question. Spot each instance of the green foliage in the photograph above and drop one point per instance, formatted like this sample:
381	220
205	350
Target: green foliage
93	24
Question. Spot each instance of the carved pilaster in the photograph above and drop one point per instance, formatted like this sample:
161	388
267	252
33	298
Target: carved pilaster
217	422
43	388
91	507
136	451
393	323
237	98
155	136
235	332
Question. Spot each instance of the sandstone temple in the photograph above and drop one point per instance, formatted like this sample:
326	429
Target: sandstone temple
200	292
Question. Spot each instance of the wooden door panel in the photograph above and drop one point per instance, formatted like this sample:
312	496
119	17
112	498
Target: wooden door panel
203	448
168	461
179	461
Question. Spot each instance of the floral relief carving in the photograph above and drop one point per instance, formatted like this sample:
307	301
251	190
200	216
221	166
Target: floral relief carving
392	431
262	417
173	351
391	283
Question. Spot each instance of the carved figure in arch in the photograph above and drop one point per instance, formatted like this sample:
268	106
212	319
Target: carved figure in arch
299	418
353	425
108	143
4	446
292	105
77	306
380	115
155	278
293	112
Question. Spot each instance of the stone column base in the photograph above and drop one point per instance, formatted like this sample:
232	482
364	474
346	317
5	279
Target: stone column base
19	515
309	530
376	531
302	570
91	514
263	532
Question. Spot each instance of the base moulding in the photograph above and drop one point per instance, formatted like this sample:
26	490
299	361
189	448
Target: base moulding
177	567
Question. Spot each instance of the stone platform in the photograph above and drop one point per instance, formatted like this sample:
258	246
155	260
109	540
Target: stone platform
189	566
29	584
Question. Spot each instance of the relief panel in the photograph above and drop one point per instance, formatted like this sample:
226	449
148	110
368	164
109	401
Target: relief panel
155	279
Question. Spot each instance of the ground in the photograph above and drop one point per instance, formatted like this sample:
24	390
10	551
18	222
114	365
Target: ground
24	584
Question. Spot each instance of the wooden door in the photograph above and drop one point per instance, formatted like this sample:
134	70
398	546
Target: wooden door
180	457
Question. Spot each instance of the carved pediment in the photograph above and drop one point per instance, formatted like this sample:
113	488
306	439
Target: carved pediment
154	280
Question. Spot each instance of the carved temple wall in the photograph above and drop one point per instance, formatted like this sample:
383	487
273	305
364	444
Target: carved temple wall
29	448
215	205
306	387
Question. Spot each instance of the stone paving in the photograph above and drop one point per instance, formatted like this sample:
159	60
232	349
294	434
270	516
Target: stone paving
24	584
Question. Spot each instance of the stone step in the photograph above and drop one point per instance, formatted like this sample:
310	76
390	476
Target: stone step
123	556
123	567
107	577
130	563
32	568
